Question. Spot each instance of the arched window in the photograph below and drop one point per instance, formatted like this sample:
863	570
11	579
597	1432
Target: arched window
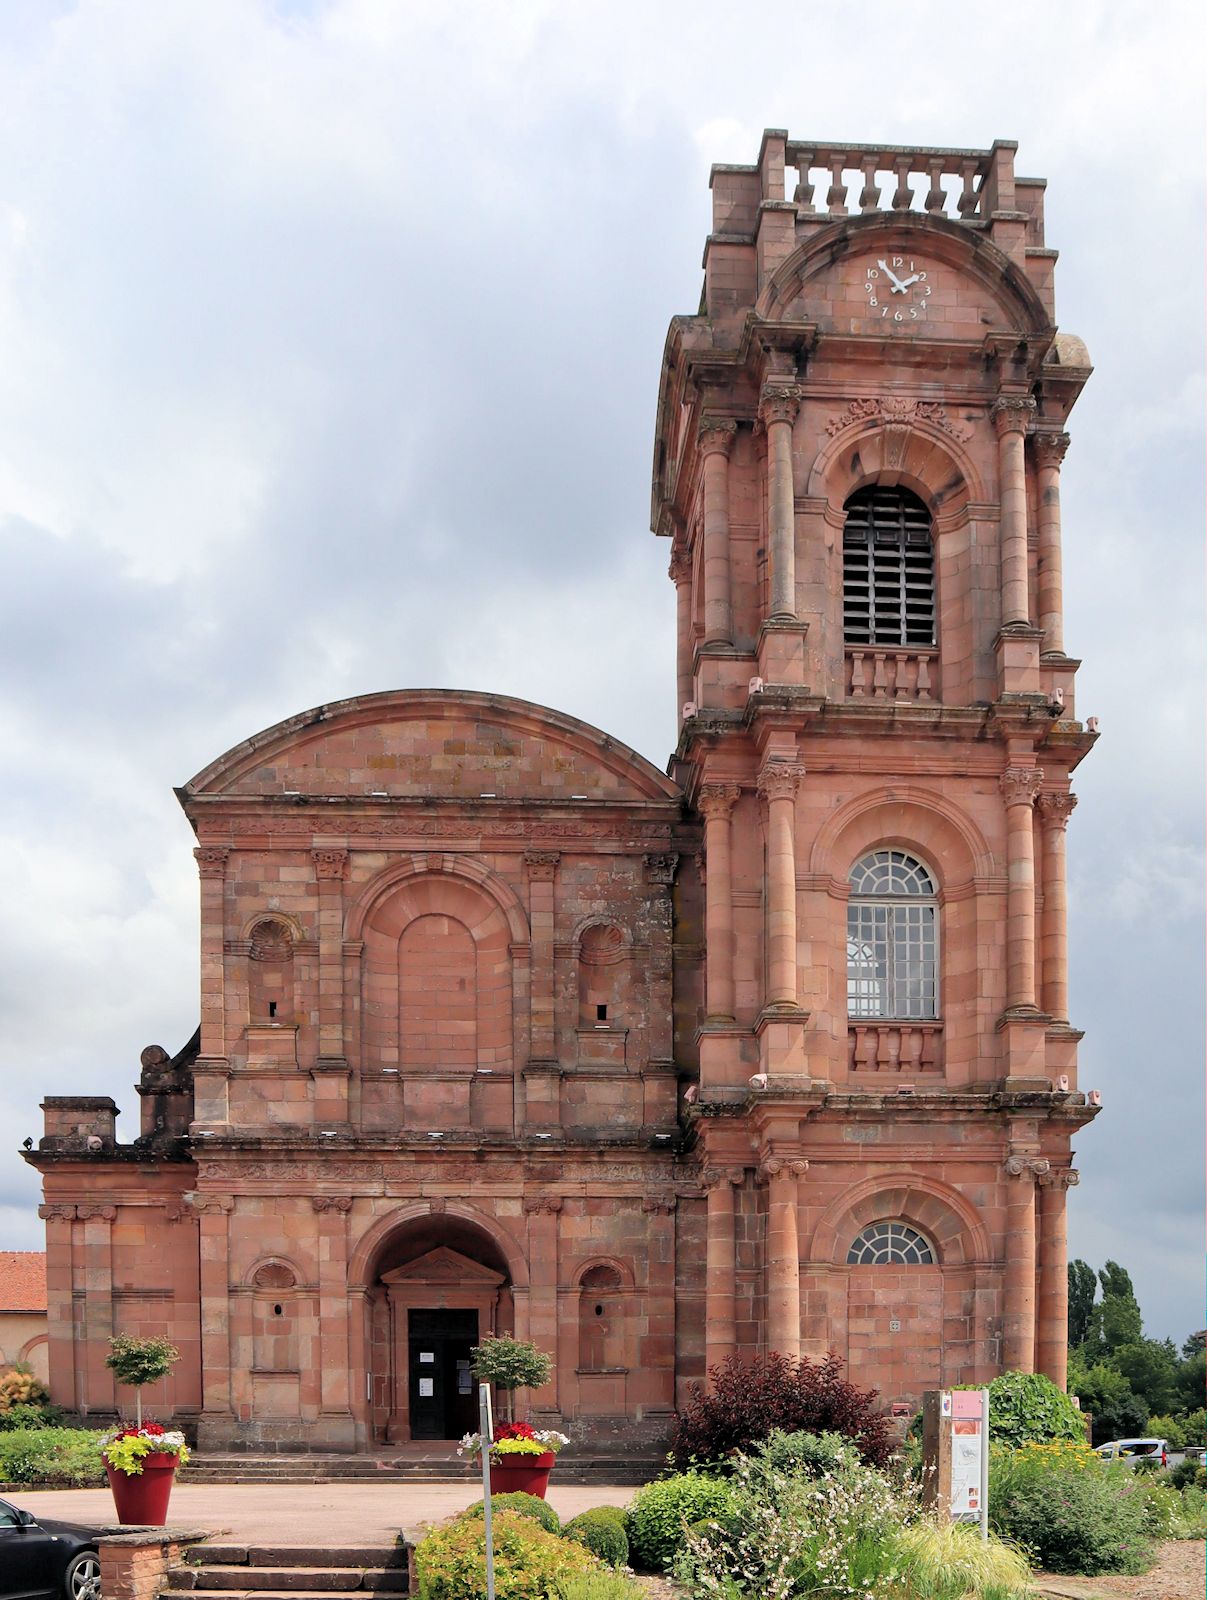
892	969
890	1244
888	570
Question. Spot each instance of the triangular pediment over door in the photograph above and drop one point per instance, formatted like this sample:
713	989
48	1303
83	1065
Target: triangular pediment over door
445	1266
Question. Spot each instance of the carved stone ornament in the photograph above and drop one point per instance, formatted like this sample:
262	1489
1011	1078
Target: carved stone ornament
718	1177
1024	1166
57	1213
779	402
153	1056
96	1213
680	569
542	864
1050	448
1012	413
779	780
1060	1178
211	859
776	1166
211	1204
899	410
542	1205
659	1204
331	1202
1020	785
660	869
716	434
1056	809
330	864
718	799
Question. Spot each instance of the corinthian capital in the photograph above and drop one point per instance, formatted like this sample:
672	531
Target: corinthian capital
1056	809
779	402
1050	447
1020	785
718	799
330	863
1012	413
211	860
779	780
716	435
542	865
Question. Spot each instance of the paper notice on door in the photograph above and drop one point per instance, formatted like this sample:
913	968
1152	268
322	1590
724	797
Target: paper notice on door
427	1388
427	1355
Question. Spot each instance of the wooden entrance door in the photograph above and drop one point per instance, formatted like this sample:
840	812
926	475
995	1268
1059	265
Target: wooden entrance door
442	1398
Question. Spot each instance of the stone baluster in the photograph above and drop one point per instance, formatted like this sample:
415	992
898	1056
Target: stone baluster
1052	1355
681	577
1019	787
778	411
717	801
778	784
720	1327
1011	418
783	1254
836	194
902	195
1049	453
1054	812
716	442
969	199
936	200
869	195
1018	1323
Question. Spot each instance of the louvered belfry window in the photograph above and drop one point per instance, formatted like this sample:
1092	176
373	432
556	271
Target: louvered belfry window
888	570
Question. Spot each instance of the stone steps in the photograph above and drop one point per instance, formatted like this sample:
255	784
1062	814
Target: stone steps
290	1572
583	1469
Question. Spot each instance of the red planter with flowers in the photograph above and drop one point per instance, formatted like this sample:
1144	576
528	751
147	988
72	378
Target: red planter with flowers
141	1498
514	1474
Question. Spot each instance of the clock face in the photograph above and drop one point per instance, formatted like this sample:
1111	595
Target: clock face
897	287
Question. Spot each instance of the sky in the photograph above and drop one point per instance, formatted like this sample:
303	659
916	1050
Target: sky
330	337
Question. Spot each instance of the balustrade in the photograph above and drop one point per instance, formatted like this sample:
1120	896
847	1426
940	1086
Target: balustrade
844	180
895	1047
884	674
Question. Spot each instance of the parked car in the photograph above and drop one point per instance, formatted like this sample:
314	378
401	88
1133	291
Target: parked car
1134	1451
46	1560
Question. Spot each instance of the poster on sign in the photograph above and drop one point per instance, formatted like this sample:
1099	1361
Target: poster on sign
968	1446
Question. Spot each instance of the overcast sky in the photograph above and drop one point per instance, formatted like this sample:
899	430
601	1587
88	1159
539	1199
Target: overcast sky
329	343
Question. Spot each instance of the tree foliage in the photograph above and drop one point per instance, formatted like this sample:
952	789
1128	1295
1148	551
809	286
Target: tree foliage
1119	1312
1083	1286
1027	1408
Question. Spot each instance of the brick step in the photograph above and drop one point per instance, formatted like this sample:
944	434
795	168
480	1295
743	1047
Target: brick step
251	1592
312	1579
296	1555
367	1469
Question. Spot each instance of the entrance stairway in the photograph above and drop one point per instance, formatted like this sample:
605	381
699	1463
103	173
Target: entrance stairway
298	1572
575	1466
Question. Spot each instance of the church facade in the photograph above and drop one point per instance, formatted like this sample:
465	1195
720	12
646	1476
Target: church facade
502	1029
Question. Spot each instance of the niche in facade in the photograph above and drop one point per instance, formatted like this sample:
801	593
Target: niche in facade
604	977
270	973
601	1334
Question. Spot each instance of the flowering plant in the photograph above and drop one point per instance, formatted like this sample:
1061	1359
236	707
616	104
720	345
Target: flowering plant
126	1448
514	1439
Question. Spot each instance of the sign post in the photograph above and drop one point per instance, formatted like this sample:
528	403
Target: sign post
955	1454
486	1428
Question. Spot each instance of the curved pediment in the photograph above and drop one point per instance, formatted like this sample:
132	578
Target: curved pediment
437	744
958	284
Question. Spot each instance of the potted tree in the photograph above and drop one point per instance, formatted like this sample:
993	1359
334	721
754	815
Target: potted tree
521	1457
141	1461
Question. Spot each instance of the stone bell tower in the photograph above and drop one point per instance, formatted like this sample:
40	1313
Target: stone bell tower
857	464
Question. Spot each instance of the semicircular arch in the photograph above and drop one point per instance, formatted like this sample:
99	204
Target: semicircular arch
286	1263
909	817
941	1213
369	1246
466	869
914	449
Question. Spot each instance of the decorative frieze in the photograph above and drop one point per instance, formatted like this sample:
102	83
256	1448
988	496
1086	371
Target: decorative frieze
898	410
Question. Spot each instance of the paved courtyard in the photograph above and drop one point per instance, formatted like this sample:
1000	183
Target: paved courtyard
309	1513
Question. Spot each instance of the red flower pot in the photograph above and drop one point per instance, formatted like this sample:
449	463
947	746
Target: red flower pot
520	1474
141	1498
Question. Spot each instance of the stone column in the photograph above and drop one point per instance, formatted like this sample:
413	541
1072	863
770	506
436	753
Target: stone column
1049	453
1054	813
214	1211
1018	1323
211	1071
334	1346
60	1315
98	1304
720	1331
778	783
778	409
716	441
1052	1353
716	803
542	871
681	576
658	1345
1011	418
783	1254
543	1276
1019	786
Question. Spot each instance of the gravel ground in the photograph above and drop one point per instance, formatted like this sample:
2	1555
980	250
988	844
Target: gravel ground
1180	1574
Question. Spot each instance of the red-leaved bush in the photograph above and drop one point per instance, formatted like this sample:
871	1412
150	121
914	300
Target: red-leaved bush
749	1399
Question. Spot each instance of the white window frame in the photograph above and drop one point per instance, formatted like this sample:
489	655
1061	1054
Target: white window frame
888	903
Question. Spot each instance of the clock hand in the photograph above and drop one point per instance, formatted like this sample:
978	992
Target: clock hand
908	281
898	287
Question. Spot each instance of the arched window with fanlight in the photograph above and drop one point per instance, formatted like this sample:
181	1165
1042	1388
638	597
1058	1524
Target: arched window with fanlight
890	1244
892	939
888	570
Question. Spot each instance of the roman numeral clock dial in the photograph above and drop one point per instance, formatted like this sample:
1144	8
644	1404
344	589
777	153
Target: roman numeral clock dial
897	288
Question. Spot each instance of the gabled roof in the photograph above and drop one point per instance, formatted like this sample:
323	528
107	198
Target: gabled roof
22	1280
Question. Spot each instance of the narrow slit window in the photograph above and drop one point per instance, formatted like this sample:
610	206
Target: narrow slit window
888	570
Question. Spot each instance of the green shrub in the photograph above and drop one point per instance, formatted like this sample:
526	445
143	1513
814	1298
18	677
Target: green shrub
30	1415
1070	1511
1171	1429
1194	1425
529	1563
602	1584
602	1534
659	1515
813	1454
51	1457
1191	1519
1188	1472
19	1387
1026	1407
523	1505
